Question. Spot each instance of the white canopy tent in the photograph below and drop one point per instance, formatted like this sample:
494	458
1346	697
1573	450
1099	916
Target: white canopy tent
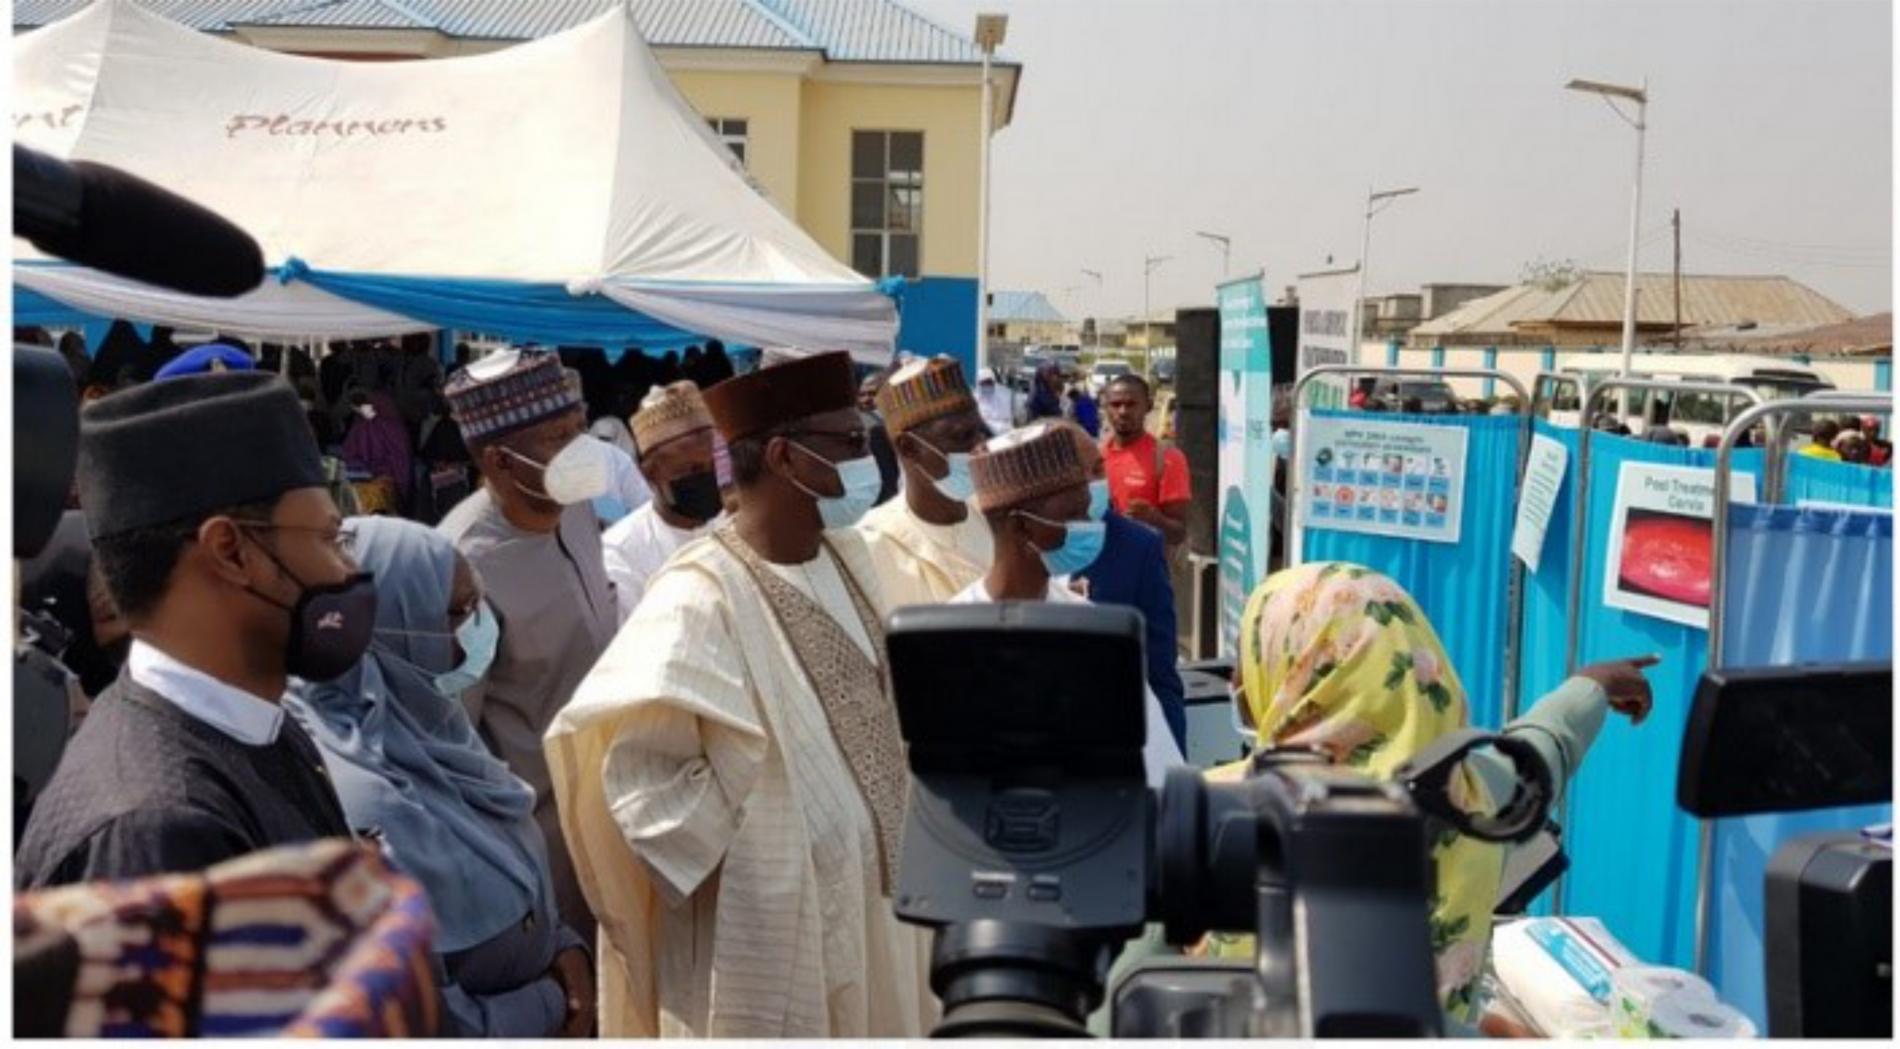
406	195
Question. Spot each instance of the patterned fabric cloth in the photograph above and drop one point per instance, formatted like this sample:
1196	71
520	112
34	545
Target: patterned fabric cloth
1339	657
863	720
669	412
1027	464
508	391
318	940
922	390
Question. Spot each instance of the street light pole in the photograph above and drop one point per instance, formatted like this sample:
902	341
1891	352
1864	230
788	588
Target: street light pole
1640	96
1097	277
1375	203
1147	319
990	29
1226	246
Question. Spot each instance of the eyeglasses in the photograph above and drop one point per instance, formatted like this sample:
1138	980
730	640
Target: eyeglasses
857	440
340	540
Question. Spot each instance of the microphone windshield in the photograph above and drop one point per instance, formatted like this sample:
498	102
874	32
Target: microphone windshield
130	227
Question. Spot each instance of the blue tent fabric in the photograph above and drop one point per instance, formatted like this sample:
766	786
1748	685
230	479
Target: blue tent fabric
541	313
31	309
546	313
1463	588
1805	586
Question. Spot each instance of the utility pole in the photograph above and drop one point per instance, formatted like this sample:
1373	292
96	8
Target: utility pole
1676	222
1148	265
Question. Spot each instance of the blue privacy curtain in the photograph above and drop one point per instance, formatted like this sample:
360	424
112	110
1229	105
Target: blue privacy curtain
1632	852
1461	587
1805	586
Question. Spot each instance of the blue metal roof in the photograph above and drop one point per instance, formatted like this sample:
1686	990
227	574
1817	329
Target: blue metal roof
345	14
1024	306
844	30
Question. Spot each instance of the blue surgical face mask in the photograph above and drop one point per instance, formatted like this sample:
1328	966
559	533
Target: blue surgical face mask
479	637
1282	444
957	485
861	482
1098	499
1081	545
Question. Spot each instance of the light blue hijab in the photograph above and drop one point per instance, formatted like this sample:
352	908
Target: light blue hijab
404	758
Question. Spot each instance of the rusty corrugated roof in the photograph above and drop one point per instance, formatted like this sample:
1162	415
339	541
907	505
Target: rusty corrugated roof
1597	300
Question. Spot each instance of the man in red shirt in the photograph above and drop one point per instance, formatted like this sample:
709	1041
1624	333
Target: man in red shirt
1145	481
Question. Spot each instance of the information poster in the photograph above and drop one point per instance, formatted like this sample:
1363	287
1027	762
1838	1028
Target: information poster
1326	332
1543	479
1661	558
1245	456
1397	479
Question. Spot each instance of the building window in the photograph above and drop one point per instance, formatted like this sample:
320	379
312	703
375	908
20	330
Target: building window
731	131
887	202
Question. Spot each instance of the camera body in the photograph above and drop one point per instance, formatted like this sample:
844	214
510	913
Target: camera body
1035	850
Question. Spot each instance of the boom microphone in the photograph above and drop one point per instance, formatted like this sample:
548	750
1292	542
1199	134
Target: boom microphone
101	217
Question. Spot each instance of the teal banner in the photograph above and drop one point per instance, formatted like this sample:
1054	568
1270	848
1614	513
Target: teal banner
1245	448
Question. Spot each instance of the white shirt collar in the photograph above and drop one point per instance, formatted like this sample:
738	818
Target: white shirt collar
236	713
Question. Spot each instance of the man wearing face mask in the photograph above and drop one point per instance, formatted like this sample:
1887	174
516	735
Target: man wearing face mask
531	531
732	768
1033	487
673	437
928	545
223	551
1132	571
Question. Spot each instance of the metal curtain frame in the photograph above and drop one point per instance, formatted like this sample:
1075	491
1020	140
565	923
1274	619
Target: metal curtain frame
1775	454
1580	513
1293	528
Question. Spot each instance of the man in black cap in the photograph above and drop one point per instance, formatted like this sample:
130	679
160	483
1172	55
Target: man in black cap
731	771
222	550
532	533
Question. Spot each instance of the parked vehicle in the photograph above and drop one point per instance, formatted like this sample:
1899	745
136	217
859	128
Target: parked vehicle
1105	371
1434	396
1559	398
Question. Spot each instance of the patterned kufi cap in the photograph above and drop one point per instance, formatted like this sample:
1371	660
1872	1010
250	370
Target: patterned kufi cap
921	390
508	391
1025	465
668	412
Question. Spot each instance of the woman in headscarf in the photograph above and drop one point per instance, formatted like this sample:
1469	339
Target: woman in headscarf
1339	657
414	776
1045	401
378	443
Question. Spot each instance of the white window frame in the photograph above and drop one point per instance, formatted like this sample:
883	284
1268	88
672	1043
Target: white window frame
734	140
885	233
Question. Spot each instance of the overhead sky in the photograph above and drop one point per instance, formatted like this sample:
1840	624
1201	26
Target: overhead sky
1142	121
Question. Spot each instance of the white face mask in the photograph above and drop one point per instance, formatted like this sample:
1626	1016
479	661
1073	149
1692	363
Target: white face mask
861	482
367	411
579	472
957	485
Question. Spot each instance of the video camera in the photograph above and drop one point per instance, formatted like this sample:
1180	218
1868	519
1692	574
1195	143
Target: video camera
1035	850
1793	739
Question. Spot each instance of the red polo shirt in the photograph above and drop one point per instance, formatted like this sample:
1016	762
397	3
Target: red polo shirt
1131	474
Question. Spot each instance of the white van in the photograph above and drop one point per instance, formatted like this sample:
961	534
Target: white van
1699	415
1105	371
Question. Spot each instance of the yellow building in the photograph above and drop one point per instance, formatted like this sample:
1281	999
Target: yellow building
858	118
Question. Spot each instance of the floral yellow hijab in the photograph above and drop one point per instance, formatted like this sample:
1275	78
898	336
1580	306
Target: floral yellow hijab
1339	657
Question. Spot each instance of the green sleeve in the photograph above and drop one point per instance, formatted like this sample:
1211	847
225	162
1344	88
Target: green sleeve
1561	725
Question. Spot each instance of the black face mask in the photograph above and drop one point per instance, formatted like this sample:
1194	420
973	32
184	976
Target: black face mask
330	625
695	496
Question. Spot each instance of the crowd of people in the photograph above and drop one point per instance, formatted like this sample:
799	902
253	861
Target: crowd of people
632	735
